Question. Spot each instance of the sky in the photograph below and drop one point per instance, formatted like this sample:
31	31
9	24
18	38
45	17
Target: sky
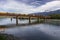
29	6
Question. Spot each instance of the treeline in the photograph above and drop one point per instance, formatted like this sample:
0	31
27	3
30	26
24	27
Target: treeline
55	16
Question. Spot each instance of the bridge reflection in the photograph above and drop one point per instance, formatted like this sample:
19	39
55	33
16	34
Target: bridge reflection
24	16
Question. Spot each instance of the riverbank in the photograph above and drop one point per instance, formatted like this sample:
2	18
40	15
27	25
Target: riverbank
8	37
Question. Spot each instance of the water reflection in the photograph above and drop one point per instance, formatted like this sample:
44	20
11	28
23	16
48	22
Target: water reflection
36	32
7	21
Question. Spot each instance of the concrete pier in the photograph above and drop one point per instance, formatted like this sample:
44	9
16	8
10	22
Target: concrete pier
29	20
11	19
16	20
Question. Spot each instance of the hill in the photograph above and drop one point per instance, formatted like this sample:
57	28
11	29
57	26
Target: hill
47	13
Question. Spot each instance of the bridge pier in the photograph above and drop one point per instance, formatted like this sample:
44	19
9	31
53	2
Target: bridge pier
16	20
38	19
29	20
11	19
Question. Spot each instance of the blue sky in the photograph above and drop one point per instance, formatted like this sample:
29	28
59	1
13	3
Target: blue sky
29	6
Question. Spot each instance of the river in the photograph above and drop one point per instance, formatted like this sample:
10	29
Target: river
41	31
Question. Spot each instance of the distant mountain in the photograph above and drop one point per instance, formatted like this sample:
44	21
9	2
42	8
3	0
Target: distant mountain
47	13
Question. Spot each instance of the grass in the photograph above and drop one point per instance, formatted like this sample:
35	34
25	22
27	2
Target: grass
8	37
2	37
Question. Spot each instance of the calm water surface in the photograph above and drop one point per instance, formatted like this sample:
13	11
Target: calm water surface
35	32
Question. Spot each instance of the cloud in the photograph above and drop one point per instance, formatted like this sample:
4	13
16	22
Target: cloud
50	6
36	3
17	7
14	6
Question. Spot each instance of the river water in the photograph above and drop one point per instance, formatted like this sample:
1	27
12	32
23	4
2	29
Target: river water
41	31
